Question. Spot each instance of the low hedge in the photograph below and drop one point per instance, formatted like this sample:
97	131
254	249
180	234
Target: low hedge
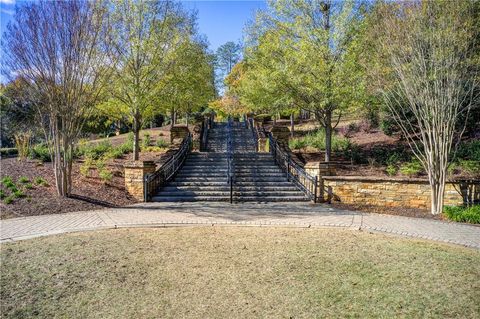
8	151
463	214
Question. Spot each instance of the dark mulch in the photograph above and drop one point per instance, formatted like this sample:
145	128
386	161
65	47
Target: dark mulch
88	193
398	211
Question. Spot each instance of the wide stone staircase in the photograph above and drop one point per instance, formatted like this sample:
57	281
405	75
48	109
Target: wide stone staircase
203	177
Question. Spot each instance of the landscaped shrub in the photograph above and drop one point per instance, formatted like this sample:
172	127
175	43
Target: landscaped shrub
40	181
8	151
105	174
412	168
317	140
391	170
23	180
85	167
146	141
116	152
28	186
98	150
8	199
18	194
469	151
463	214
162	143
40	152
470	166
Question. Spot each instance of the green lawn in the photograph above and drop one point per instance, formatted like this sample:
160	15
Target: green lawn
215	272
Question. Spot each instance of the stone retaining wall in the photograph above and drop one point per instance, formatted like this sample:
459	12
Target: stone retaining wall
396	192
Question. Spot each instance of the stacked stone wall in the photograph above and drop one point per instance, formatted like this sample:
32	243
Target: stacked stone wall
396	192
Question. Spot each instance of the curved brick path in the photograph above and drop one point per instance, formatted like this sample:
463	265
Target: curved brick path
252	214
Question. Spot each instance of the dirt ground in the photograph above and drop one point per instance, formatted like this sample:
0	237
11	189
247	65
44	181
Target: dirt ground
89	193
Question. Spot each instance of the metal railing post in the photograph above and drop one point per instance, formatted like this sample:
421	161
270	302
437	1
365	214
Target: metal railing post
288	167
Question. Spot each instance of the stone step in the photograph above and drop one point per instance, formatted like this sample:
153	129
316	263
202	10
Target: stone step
253	175
227	198
237	179
238	188
237	193
224	182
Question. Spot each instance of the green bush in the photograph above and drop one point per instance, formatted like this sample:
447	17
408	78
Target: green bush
28	186
7	182
463	214
40	152
146	141
85	167
18	193
40	181
8	151
2	194
162	143
116	152
391	170
96	151
23	180
469	151
297	143
470	166
105	174
130	137
412	168
8	199
317	140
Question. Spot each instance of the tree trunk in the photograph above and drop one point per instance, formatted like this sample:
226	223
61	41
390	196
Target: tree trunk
292	125
328	135
437	186
136	139
172	118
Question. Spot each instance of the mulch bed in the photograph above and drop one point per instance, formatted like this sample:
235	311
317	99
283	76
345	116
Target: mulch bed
89	193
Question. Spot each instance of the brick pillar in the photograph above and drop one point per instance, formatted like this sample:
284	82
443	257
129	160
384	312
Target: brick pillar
263	144
320	169
135	172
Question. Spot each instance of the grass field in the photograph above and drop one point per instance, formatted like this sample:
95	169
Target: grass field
215	272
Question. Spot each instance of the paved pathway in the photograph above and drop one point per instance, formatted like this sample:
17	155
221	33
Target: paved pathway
253	214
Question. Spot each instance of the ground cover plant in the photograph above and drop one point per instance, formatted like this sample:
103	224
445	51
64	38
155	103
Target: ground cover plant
470	214
215	272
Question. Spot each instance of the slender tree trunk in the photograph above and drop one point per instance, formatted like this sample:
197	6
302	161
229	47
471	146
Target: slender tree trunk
136	134
292	125
328	135
172	118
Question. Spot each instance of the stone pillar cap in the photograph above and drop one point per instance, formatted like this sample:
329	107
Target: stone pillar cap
139	164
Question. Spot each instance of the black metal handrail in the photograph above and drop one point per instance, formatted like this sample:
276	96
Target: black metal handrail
230	158
254	132
159	178
295	173
204	135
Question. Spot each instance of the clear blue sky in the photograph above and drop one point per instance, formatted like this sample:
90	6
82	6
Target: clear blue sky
220	21
223	21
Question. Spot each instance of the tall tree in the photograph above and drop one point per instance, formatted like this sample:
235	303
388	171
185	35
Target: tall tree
227	56
59	49
144	35
189	83
308	50
434	78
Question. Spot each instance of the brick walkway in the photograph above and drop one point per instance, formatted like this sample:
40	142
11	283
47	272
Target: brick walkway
252	214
